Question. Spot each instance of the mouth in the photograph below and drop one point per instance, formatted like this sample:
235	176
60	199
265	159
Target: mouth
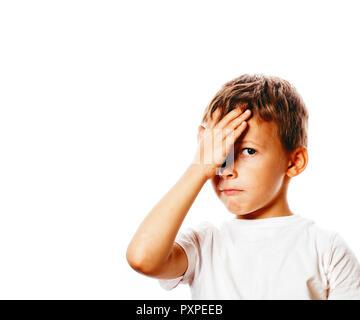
230	192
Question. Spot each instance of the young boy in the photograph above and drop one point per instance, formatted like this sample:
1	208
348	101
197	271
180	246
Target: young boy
266	251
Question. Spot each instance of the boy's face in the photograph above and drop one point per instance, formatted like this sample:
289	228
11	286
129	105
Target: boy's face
259	170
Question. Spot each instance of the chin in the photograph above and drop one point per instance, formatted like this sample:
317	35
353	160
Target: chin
238	212
241	214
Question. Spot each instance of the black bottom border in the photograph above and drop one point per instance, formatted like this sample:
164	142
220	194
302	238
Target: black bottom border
176	309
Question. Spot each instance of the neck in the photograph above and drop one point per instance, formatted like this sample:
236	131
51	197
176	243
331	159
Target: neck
278	207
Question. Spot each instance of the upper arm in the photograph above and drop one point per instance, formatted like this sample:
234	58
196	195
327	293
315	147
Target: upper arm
344	272
175	266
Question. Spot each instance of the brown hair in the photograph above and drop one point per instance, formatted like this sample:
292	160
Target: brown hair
270	99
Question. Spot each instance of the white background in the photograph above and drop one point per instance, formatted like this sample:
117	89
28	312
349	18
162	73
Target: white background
100	104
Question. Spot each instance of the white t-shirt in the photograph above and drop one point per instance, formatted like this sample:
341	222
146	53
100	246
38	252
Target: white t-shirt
283	258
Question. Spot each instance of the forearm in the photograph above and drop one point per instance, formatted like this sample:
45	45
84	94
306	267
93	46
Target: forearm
152	243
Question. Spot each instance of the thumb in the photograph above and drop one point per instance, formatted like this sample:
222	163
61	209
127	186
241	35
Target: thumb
201	130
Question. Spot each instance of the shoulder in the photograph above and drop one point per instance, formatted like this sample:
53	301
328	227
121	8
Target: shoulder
322	233
322	236
202	229
328	243
199	232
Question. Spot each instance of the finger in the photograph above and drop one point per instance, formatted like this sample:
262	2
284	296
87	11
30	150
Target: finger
201	130
239	130
214	118
237	121
233	135
229	117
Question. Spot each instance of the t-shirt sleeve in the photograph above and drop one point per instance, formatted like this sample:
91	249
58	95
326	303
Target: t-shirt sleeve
343	272
190	240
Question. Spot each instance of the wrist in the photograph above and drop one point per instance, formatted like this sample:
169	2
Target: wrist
205	172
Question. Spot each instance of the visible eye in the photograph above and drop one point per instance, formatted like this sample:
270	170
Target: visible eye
250	151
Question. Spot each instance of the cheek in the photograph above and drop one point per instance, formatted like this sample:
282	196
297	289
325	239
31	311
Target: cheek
215	184
261	176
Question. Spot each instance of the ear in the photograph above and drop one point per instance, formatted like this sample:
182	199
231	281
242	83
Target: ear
297	162
201	130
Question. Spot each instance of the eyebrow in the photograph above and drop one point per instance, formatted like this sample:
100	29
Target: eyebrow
249	141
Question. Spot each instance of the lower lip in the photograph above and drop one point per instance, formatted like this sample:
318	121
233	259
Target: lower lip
231	192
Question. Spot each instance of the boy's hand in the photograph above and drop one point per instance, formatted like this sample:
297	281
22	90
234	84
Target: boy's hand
216	141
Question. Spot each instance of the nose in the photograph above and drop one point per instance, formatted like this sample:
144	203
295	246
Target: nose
227	170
